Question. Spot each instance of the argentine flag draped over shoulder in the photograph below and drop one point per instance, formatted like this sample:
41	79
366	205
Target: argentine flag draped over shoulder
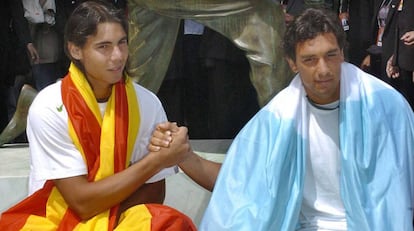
260	184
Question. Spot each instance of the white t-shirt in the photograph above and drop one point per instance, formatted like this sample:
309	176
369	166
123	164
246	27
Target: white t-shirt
53	154
322	207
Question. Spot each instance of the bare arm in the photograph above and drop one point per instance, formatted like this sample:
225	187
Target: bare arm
203	172
88	199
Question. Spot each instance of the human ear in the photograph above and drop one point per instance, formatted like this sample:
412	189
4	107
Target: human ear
74	51
292	65
342	55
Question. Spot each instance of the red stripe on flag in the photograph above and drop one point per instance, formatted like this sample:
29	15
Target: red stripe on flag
166	218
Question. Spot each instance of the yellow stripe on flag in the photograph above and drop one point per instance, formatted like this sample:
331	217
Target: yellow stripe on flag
134	117
85	90
136	218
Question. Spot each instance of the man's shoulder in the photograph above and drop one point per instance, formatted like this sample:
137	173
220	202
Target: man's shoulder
142	91
49	95
146	98
289	95
376	94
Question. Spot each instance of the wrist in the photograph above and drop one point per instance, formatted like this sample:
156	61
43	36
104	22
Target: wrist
153	162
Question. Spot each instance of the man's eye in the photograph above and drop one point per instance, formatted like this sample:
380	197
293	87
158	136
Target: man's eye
309	60
332	55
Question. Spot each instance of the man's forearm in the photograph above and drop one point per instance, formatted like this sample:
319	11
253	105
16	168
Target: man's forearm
203	172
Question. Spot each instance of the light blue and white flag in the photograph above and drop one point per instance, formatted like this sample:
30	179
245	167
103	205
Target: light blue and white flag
260	184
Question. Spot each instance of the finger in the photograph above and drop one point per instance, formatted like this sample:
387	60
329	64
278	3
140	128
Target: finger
167	126
181	130
162	126
162	143
174	127
170	126
181	136
395	75
153	148
160	133
409	43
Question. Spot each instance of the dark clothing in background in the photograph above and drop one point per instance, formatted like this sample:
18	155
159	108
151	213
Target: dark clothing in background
184	91
358	36
14	37
207	86
232	98
172	91
398	23
14	34
196	89
295	7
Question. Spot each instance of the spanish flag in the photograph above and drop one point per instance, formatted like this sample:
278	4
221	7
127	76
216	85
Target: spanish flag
94	137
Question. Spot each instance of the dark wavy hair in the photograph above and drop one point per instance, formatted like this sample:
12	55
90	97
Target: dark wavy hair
84	21
311	23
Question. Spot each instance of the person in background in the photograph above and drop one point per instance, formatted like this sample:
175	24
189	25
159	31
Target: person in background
357	15
41	15
398	54
373	61
324	154
15	43
293	8
88	136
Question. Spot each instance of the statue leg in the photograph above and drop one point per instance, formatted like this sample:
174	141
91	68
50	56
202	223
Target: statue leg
17	124
254	26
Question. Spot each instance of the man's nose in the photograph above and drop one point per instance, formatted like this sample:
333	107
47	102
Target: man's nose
117	53
323	67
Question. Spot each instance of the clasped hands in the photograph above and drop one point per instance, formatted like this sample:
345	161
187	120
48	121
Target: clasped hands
171	143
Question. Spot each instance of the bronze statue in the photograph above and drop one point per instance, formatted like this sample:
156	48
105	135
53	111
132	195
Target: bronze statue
17	124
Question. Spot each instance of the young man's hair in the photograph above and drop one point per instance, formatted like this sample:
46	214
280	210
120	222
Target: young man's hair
311	23
84	21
